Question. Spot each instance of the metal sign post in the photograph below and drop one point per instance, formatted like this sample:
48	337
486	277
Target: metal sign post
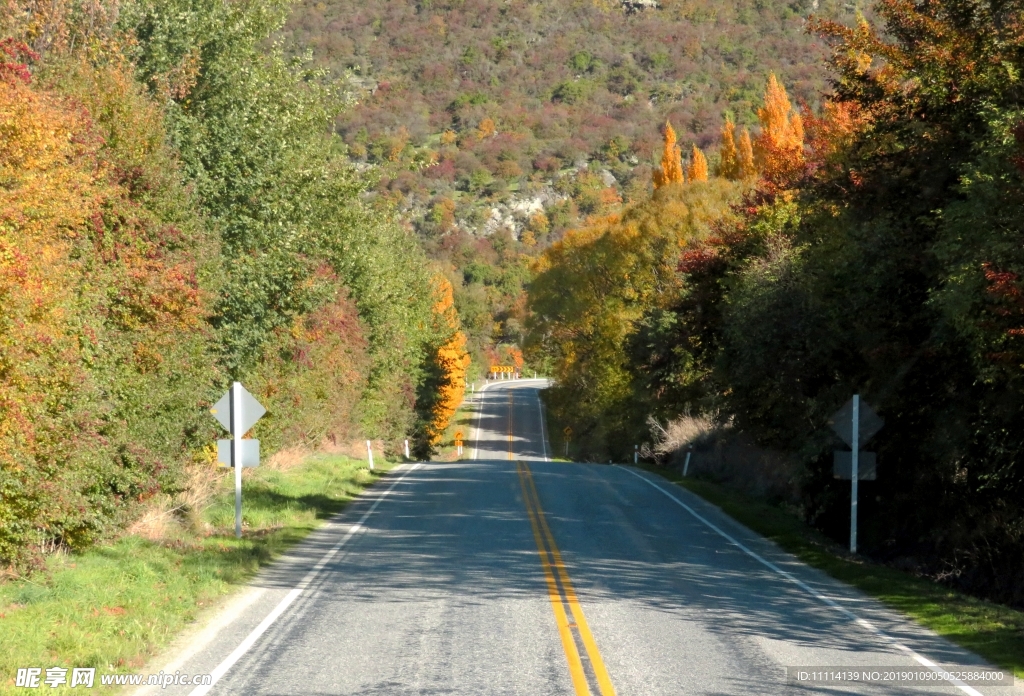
238	411
855	423
236	453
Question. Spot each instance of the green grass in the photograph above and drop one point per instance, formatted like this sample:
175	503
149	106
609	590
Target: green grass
115	606
993	631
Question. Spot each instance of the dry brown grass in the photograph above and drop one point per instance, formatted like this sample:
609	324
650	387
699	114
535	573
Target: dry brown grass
721	453
166	513
288	458
677	435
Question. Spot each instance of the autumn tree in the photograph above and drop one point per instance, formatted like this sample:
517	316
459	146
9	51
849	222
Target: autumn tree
510	355
892	267
746	168
779	148
671	171
728	155
590	289
736	161
698	169
447	382
486	129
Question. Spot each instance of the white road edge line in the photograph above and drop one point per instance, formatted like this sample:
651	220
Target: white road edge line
967	689
479	413
543	429
251	639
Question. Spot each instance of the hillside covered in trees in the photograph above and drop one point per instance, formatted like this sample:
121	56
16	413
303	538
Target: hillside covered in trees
175	214
875	247
502	124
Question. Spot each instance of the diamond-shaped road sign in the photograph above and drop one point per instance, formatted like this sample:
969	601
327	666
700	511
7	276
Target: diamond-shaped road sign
250	451
842	423
867	465
252	411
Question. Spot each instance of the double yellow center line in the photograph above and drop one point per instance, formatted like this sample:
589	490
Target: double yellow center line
561	592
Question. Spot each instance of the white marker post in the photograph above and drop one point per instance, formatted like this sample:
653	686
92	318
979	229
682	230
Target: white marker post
854	472
236	452
369	451
407	450
636	454
686	464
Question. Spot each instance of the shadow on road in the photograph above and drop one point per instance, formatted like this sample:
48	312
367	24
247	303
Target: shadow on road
459	532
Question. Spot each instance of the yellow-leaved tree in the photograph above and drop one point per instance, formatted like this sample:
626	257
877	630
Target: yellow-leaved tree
671	171
589	289
747	167
448	381
779	149
728	156
698	169
736	160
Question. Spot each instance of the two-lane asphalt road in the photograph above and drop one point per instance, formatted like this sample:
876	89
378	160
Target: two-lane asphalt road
511	574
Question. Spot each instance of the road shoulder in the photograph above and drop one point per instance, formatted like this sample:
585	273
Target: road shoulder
993	634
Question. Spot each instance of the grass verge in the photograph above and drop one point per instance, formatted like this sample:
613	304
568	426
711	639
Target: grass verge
113	607
562	445
993	631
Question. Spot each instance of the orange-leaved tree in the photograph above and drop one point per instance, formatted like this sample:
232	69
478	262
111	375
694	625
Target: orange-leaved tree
698	169
779	149
486	129
728	156
736	160
511	355
746	168
450	362
671	171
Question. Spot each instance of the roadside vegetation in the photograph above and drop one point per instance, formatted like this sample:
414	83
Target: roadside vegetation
870	244
175	214
114	606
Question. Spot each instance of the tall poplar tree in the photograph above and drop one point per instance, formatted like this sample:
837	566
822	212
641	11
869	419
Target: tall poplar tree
671	171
